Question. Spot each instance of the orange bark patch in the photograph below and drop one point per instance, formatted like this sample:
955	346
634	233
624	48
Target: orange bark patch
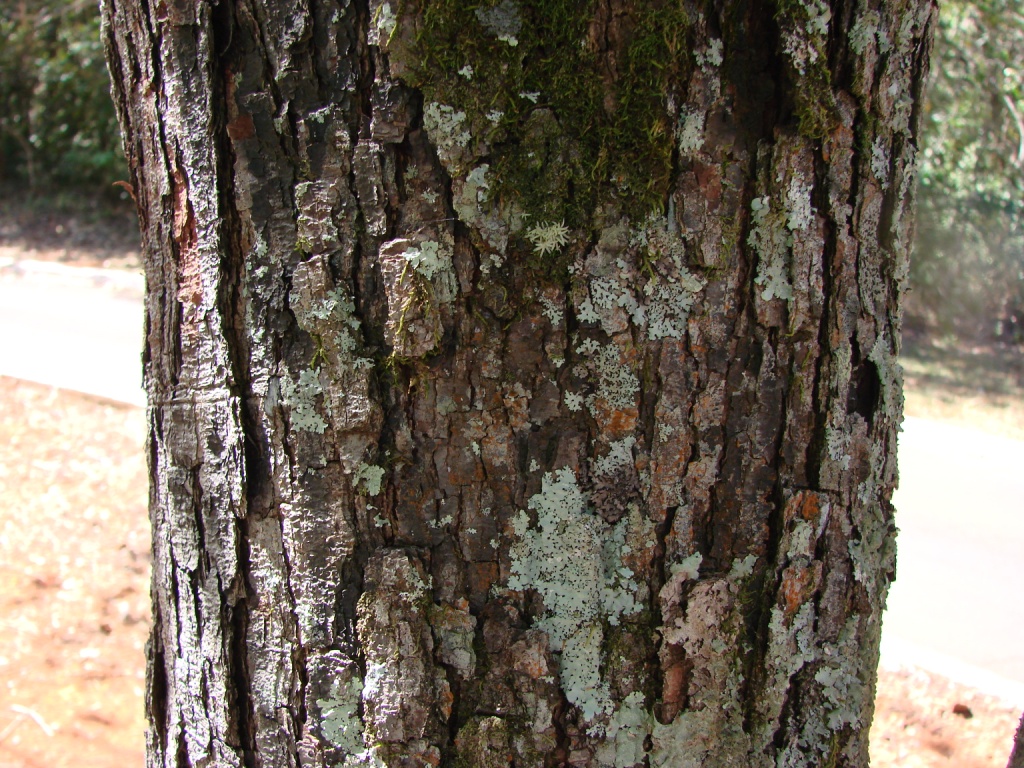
615	423
799	582
241	128
481	578
190	288
806	505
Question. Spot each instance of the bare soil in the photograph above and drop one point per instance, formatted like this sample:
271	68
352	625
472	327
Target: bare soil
77	231
979	385
74	568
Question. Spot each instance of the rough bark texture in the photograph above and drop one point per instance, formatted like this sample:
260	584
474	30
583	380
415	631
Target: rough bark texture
487	430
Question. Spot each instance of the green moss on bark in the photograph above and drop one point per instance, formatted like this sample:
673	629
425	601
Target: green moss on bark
564	134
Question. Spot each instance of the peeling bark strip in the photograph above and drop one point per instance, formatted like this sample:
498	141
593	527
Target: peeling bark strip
522	375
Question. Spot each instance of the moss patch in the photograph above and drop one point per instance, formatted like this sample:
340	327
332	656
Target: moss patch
565	133
805	26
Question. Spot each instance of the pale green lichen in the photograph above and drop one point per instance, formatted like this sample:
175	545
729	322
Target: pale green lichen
371	477
668	294
620	454
472	195
770	240
804	42
890	376
628	728
864	32
669	306
712	55
552	311
617	385
580	671
688	569
331	320
690	131
548	237
339	716
301	396
843	694
573	401
503	21
384	23
447	130
574	562
837	444
799	213
429	259
620	590
490	226
586	313
543	560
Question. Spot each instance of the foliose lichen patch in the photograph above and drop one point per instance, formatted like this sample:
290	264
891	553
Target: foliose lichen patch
574	562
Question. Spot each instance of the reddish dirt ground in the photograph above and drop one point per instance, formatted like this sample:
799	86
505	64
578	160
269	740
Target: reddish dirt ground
74	561
74	565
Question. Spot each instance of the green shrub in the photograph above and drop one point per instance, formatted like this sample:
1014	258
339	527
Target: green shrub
58	126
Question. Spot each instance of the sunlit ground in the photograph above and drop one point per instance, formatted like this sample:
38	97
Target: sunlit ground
980	386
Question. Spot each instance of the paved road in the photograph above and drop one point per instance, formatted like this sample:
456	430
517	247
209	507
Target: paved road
957	606
74	328
958	600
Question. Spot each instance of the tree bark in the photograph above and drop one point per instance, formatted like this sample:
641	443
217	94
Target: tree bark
523	382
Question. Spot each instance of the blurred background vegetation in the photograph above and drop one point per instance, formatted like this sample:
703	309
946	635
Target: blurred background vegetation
59	138
967	273
57	124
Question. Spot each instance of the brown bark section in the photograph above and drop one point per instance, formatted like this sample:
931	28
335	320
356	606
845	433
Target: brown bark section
418	502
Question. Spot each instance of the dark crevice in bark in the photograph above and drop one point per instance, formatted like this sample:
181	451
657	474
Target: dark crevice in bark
835	223
865	391
773	92
157	692
253	444
181	756
788	714
756	614
650	394
838	50
238	660
367	67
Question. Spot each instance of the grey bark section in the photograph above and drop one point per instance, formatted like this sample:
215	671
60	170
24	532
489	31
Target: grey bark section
417	501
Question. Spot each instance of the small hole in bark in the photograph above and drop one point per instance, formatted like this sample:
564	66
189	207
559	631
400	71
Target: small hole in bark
865	388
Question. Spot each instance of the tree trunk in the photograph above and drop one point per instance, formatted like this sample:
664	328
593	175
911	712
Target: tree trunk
522	375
